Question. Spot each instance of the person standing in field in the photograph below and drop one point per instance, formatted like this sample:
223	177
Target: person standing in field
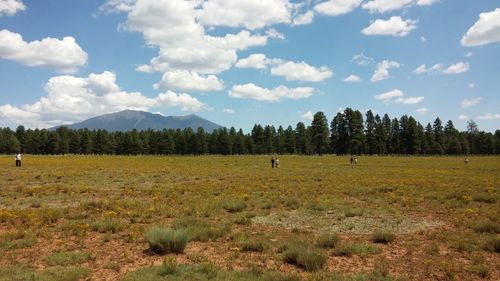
272	162
466	160
277	163
355	160
352	159
18	160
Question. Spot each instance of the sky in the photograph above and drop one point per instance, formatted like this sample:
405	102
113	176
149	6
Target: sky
238	63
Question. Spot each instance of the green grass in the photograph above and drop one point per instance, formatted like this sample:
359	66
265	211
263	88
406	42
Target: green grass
486	226
383	237
17	240
23	273
107	225
234	206
163	240
304	256
328	241
67	258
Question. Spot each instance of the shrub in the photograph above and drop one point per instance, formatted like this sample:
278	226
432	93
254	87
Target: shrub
479	269
234	206
64	274
384	237
492	245
243	220
17	240
68	258
107	225
356	212
306	257
486	227
484	198
200	231
255	245
328	241
163	240
168	267
292	203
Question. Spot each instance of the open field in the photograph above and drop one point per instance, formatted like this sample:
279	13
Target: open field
314	218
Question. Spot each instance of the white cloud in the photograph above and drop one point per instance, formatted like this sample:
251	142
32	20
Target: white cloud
471	85
457	68
423	39
64	55
308	116
397	96
463	117
251	14
485	31
337	7
387	96
251	91
471	102
11	7
116	6
185	80
469	54
228	110
273	33
382	71
421	110
258	61
489	116
301	71
395	26
383	6
352	78
362	60
303	19
71	99
410	100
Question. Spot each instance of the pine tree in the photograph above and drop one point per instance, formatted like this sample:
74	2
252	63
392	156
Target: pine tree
371	143
320	133
438	137
302	140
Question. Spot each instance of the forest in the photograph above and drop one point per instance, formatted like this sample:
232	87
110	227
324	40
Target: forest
348	133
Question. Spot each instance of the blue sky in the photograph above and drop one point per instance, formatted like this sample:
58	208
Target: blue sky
238	63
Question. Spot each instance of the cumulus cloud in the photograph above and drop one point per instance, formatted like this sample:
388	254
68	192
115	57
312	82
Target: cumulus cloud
252	91
186	80
471	102
308	116
421	110
382	71
395	26
362	60
471	86
251	14
485	31
258	61
71	99
352	78
303	19
228	110
337	7
301	71
456	68
489	116
11	7
397	96
383	6
463	117
64	55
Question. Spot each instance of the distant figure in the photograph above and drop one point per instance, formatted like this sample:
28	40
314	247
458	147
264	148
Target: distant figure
18	160
272	162
352	159
355	160
466	160
277	163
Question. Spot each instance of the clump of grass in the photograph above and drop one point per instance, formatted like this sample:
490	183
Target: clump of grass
348	250
492	245
234	206
68	258
292	203
168	267
486	226
254	245
383	237
200	231
355	212
244	219
484	198
17	240
304	256
108	225
385	189
57	273
49	215
163	240
478	269
328	241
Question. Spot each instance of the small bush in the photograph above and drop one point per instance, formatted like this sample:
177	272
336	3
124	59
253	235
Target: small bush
107	225
168	267
292	203
234	206
64	274
479	269
255	245
200	231
356	212
492	245
68	258
17	240
484	198
328	241
306	257
163	240
486	227
243	220
384	237
49	215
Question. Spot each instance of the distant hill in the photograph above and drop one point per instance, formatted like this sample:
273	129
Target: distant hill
128	120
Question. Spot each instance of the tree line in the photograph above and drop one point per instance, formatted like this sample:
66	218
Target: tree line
348	133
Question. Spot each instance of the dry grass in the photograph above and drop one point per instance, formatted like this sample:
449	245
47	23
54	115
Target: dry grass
52	205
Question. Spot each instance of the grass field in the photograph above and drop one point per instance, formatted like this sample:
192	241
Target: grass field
235	218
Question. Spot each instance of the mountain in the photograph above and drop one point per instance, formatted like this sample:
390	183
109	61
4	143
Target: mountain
128	120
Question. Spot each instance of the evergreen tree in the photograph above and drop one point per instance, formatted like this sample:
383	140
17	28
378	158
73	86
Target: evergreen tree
224	144
320	133
289	140
371	143
438	137
302	140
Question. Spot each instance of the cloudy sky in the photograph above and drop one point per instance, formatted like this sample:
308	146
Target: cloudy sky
238	63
